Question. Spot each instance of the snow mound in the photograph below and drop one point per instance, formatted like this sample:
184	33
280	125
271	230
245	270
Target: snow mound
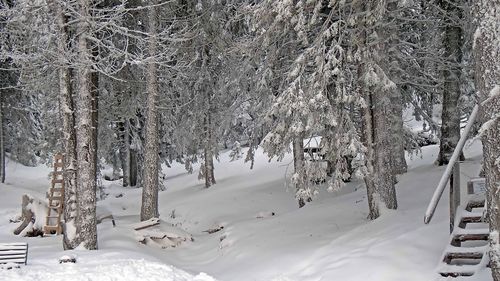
102	270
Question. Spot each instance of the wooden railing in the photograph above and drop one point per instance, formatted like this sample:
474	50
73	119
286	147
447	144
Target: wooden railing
455	183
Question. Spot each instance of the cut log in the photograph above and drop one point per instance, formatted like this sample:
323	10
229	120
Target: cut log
145	224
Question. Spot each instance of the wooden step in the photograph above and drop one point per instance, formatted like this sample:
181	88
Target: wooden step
462	256
58	181
447	270
462	235
48	229
477	203
471	237
470	217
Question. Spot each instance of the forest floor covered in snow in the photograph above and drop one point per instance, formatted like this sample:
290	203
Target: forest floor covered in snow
263	234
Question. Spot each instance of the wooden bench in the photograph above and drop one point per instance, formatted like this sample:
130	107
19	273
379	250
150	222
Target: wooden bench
13	253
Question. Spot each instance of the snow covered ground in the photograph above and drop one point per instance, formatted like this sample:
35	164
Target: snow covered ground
264	237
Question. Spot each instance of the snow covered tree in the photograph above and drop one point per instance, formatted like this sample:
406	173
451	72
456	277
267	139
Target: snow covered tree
487	70
66	94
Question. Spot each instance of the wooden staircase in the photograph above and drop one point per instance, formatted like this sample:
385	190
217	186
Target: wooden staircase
468	248
56	198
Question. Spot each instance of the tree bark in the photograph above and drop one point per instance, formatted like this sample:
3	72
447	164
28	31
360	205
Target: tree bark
86	185
450	116
124	151
398	150
487	74
299	178
208	150
383	164
149	207
2	143
371	191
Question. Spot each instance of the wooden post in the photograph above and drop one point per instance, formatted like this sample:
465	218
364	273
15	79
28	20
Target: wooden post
454	193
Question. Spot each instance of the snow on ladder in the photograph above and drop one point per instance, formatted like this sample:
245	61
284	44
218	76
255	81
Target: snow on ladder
468	248
56	198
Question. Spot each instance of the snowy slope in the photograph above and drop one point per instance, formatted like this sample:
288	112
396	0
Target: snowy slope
265	235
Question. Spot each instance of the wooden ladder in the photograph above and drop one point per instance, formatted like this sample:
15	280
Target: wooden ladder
56	198
468	248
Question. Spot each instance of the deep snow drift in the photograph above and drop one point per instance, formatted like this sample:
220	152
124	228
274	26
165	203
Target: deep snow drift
264	236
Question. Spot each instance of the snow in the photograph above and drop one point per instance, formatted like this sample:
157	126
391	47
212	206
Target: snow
265	236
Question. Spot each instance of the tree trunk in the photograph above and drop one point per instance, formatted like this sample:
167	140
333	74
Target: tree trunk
208	151
367	116
86	184
2	143
398	150
383	161
124	150
70	238
299	177
450	116
487	72
371	191
94	78
133	167
149	207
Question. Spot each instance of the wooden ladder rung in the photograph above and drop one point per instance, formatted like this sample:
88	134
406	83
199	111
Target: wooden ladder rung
471	237
54	181
463	255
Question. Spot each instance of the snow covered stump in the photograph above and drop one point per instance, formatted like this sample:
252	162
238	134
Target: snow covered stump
67	259
33	211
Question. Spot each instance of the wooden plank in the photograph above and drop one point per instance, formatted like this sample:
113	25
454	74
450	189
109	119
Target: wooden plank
13	253
471	237
460	256
10	257
146	224
475	204
456	274
19	260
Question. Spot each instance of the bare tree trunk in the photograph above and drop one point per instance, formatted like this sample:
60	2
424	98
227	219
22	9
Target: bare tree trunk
450	117
383	165
371	191
132	166
2	143
398	157
487	70
94	78
124	149
86	184
70	239
208	151
149	207
299	177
